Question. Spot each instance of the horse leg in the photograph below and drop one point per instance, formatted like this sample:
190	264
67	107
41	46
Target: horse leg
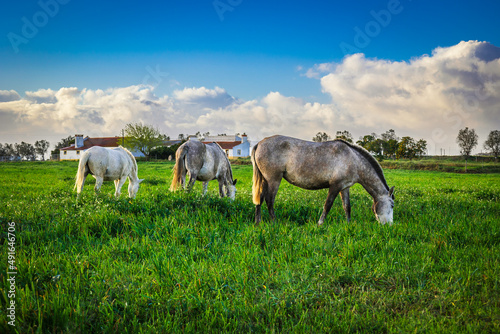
258	210
221	188
346	203
205	187
332	194
272	190
192	180
118	186
183	179
98	183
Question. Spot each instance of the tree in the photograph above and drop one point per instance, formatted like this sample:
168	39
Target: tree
321	137
345	135
389	143
372	144
492	144
406	148
388	135
200	136
163	152
25	150
143	137
467	140
4	153
421	147
9	151
41	147
18	150
65	142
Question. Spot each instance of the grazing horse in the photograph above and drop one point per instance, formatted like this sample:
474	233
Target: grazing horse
107	164
204	162
336	165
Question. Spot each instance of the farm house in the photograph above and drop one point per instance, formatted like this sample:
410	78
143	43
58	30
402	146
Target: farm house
236	146
82	144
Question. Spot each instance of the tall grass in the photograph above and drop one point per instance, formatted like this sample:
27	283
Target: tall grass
177	262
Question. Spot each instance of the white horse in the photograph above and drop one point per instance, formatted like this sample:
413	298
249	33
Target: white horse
108	165
203	163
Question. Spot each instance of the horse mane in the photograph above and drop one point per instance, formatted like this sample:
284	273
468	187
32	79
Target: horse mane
134	162
373	162
227	160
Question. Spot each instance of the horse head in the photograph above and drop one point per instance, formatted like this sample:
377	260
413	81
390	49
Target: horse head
133	187
231	189
383	207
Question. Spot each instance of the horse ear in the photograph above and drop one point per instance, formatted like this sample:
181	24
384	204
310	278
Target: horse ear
140	180
234	182
391	191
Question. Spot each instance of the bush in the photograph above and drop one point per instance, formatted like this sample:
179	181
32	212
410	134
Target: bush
163	152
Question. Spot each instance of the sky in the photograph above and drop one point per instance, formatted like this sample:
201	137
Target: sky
423	68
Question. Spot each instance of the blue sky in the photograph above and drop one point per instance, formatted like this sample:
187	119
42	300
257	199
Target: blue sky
253	50
248	48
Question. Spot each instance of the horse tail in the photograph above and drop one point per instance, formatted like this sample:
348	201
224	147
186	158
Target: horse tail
179	168
80	174
258	179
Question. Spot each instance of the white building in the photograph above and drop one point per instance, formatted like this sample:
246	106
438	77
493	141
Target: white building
236	146
73	152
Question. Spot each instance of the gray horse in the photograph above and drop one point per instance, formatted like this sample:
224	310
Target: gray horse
336	165
204	162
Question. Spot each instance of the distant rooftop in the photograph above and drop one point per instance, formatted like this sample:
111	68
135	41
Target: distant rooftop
96	141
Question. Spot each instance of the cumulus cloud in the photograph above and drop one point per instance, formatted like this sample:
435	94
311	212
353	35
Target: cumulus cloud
273	114
430	97
41	96
105	112
318	69
69	110
9	95
196	101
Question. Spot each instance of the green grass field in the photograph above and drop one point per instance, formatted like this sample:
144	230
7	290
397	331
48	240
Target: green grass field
176	262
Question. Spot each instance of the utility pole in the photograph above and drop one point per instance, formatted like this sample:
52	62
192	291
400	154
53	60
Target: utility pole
123	137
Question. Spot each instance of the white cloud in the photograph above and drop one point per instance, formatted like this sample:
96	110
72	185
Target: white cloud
9	95
273	114
41	96
430	97
196	101
317	70
105	112
193	94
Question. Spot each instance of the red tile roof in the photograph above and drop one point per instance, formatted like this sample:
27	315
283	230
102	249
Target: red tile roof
99	141
226	145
